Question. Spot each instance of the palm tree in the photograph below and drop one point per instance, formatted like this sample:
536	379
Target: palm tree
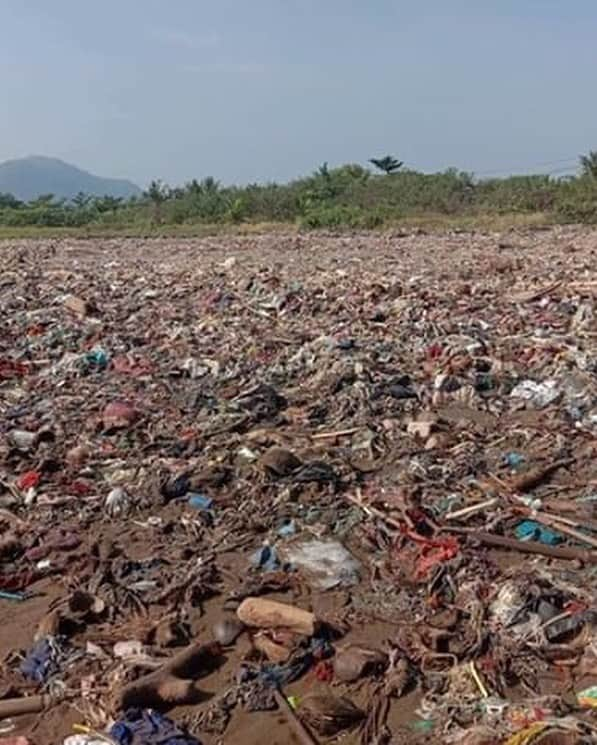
588	164
81	200
323	171
388	164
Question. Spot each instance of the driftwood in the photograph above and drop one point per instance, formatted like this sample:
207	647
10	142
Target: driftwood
174	683
294	722
529	547
269	614
13	707
535	476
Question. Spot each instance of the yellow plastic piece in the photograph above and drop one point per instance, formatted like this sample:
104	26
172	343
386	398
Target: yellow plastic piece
478	680
526	736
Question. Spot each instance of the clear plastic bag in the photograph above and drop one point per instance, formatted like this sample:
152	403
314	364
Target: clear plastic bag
325	563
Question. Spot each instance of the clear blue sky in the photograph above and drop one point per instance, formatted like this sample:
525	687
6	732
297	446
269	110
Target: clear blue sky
251	90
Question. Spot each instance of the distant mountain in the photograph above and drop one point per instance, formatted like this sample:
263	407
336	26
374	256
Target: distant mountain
29	178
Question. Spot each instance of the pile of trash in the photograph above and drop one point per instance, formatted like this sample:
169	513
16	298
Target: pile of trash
302	488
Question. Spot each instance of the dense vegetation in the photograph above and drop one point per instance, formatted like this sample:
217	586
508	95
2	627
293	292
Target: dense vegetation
348	196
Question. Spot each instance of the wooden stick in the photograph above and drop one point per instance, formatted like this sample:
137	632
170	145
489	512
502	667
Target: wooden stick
563	524
535	476
256	311
367	509
563	528
528	547
528	297
490	539
13	707
282	340
333	435
586	523
292	719
472	510
573	523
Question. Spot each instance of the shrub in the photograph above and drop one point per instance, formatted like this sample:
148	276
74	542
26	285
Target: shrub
348	196
341	217
577	201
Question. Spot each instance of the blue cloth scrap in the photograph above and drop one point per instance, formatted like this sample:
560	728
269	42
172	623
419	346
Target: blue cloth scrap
266	558
281	675
148	727
529	530
41	660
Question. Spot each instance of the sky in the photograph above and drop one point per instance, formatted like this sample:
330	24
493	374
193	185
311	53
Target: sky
259	90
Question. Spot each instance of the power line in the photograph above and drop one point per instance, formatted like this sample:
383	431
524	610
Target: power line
570	163
560	171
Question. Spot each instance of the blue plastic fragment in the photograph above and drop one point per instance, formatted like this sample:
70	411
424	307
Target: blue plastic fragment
200	502
19	596
288	528
514	460
529	530
97	358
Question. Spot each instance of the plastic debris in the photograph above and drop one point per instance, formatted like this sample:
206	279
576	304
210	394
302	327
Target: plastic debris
326	564
374	478
42	660
514	460
149	728
588	697
97	358
227	630
540	394
200	502
287	529
119	415
266	558
118	502
529	530
86	736
29	480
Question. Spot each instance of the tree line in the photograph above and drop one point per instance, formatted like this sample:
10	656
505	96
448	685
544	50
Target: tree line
346	196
